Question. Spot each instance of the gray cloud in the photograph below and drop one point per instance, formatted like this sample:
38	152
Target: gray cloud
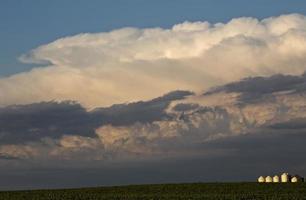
238	158
254	88
181	107
6	157
143	111
160	140
292	124
25	123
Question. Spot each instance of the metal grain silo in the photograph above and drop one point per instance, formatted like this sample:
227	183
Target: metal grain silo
296	178
275	179
261	179
285	177
269	179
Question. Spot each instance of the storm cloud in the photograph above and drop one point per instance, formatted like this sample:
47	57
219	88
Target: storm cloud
32	122
254	88
156	104
132	64
244	156
178	124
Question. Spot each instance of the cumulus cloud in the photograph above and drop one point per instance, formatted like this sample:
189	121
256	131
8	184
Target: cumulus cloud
131	64
174	136
239	158
235	122
24	123
255	88
180	132
174	125
33	122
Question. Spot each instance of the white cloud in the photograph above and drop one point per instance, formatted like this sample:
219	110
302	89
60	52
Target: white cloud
132	64
217	116
19	151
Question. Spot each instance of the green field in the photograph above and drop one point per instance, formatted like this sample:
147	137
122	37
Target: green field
243	191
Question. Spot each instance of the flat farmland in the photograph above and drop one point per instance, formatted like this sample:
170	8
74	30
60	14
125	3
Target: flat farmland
190	191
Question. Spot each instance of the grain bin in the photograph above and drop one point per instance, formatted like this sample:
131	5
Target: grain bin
269	179
296	178
261	179
275	179
285	177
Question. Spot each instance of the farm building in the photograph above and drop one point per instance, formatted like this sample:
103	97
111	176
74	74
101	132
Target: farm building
275	179
284	178
261	179
297	178
268	179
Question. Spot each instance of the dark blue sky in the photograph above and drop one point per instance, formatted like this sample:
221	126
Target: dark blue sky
25	25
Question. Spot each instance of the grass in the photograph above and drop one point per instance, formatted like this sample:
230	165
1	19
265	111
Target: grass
192	191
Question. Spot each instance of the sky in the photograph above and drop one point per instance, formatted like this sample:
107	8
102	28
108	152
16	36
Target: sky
28	24
127	92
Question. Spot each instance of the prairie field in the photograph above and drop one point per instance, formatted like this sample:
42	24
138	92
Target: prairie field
188	191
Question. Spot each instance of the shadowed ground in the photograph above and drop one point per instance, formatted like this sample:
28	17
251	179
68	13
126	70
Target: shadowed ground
243	191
